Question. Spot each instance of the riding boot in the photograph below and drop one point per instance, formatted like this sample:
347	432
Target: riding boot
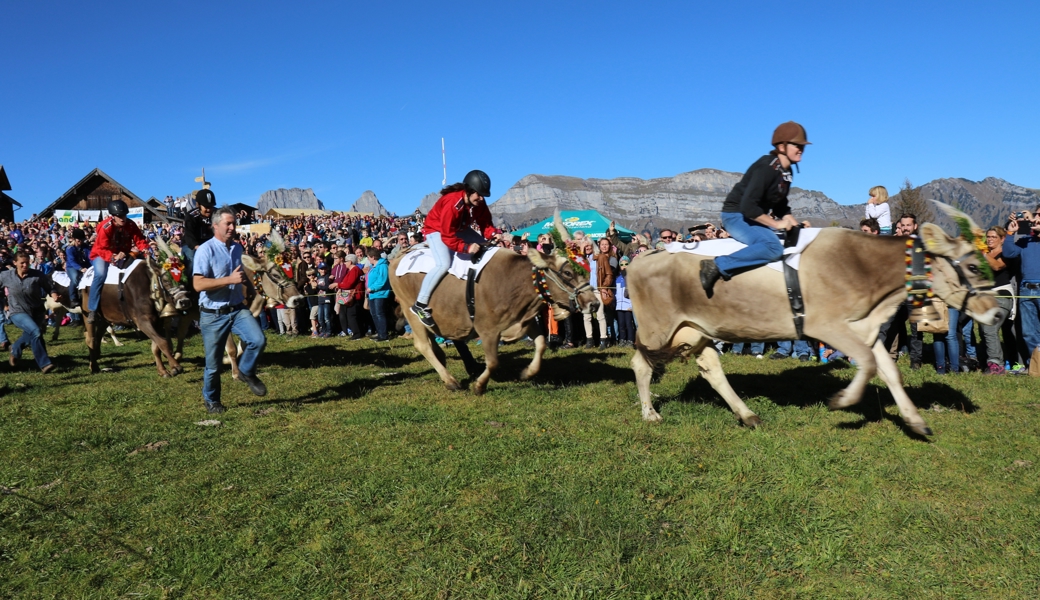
709	275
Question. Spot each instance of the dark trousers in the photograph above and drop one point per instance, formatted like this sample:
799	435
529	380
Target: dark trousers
626	326
348	319
896	325
376	307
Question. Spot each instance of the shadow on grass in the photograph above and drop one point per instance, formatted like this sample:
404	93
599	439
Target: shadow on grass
810	385
566	369
348	390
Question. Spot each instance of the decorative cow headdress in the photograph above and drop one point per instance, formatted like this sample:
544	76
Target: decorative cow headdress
971	233
560	237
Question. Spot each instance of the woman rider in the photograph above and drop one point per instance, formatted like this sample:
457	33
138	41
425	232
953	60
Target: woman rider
746	211
447	229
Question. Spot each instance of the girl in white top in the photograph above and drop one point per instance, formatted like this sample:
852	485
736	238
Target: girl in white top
877	208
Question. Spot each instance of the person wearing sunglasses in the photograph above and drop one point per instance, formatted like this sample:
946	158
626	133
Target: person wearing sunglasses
757	206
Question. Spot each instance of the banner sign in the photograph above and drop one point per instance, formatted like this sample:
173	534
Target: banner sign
255	229
89	215
137	215
66	217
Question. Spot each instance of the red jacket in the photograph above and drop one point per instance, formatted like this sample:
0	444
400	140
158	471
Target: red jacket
113	240
451	214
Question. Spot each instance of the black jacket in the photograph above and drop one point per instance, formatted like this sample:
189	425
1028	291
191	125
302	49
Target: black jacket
197	229
762	190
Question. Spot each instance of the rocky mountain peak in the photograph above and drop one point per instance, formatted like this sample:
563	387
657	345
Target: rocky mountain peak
288	198
368	203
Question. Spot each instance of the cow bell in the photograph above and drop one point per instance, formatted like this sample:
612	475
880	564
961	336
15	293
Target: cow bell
925	312
168	311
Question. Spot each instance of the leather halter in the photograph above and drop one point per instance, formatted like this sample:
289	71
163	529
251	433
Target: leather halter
963	277
572	291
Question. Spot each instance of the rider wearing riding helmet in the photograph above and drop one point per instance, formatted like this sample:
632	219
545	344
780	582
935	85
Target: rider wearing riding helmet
757	206
448	229
116	236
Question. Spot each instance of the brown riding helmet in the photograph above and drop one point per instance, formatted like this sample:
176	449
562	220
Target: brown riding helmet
790	132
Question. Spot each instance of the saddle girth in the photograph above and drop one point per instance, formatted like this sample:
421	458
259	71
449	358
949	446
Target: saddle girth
471	276
794	288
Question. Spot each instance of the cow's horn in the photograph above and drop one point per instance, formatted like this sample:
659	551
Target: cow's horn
558	222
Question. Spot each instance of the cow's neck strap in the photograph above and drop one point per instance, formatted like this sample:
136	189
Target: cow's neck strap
918	274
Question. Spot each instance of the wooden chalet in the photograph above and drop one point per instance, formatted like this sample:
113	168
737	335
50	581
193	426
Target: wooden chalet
95	191
7	203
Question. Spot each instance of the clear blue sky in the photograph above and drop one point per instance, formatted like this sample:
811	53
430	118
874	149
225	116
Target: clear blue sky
345	97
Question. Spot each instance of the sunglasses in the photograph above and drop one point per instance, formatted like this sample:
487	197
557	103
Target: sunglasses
667	237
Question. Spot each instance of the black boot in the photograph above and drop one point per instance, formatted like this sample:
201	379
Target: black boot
709	275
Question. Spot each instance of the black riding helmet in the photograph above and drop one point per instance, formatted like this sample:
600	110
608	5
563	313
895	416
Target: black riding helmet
118	208
479	182
79	234
205	197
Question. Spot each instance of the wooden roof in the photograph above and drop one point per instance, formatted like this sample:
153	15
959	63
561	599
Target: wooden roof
72	191
5	185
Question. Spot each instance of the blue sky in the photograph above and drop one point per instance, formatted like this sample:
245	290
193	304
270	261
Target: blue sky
346	97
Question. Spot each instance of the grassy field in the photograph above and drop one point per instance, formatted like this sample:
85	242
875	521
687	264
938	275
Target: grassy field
359	476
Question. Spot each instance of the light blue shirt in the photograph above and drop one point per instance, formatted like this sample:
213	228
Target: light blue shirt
214	260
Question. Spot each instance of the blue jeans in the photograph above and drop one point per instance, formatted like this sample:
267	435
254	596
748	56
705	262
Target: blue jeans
31	338
100	273
441	261
3	321
763	247
965	334
756	348
325	318
801	348
215	331
1029	314
376	307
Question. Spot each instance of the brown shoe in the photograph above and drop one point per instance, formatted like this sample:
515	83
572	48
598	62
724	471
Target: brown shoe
47	369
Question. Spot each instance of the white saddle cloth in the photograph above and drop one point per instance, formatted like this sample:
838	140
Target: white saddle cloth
113	277
730	245
420	260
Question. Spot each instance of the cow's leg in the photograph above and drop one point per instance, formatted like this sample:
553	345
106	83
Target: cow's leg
490	343
536	363
644	372
852	346
182	332
232	350
431	352
711	370
59	314
889	373
91	331
148	328
115	340
472	366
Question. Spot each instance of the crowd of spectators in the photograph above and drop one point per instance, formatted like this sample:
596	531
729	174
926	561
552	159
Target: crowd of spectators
339	263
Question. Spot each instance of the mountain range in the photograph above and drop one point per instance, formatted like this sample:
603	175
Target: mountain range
692	198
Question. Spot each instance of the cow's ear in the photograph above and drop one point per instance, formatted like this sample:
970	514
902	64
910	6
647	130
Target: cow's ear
937	242
537	258
251	263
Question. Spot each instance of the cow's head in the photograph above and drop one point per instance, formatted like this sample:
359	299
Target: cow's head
174	292
960	277
277	286
567	281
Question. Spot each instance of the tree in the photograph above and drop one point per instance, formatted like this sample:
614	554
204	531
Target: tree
910	201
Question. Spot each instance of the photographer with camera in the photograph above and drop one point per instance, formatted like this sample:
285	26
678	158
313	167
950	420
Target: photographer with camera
1027	248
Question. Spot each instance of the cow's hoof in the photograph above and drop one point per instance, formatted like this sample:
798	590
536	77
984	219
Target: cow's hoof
753	421
177	356
453	386
176	371
839	401
165	375
921	429
652	417
478	390
525	375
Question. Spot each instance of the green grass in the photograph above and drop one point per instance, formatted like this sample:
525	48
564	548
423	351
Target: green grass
359	476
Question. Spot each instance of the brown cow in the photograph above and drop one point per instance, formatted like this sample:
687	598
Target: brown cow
136	308
506	303
852	283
